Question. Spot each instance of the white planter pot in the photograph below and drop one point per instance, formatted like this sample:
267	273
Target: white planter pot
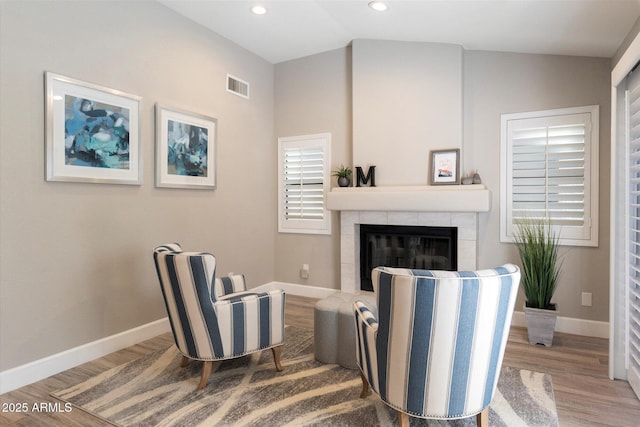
541	325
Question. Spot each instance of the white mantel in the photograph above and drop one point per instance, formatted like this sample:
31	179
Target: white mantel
423	198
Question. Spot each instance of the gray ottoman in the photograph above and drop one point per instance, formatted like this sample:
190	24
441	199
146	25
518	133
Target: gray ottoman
334	328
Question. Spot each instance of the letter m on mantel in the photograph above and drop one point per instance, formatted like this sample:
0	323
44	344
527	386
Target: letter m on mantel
362	179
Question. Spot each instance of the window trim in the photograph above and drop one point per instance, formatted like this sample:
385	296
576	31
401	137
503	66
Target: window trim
304	226
591	185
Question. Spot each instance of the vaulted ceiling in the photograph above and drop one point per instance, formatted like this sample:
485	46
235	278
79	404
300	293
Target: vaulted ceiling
296	28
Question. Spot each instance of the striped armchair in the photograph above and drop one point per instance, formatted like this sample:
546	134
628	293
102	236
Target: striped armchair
216	319
436	348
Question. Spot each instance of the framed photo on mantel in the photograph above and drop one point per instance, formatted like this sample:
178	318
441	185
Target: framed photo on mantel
445	167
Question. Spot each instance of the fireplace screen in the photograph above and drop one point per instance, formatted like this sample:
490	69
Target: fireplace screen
426	248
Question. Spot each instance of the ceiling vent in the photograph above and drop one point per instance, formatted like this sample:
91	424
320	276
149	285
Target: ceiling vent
237	86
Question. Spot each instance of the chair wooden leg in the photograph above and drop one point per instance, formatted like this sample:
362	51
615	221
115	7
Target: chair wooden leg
403	419
206	371
365	386
482	418
184	362
277	351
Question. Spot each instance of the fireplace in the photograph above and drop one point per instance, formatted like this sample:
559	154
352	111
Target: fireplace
420	247
465	223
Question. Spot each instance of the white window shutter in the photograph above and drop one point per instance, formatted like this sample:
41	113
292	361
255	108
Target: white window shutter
549	165
632	230
303	181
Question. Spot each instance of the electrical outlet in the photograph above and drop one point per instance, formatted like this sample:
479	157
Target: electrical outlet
304	271
587	299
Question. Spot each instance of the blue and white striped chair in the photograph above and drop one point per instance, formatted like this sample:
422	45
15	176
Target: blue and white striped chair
215	319
436	348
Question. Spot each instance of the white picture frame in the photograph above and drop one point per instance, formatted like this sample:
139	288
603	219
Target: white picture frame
91	133
185	149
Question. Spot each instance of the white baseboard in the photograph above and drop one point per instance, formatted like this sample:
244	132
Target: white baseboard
29	373
20	376
570	325
37	370
296	289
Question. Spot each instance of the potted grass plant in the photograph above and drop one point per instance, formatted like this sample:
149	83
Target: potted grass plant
344	176
538	245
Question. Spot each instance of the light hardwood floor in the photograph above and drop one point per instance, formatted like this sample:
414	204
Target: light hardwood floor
584	394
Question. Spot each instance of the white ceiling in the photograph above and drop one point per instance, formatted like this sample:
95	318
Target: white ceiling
296	28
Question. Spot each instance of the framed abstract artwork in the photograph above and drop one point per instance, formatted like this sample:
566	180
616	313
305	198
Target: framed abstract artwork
185	149
91	133
445	167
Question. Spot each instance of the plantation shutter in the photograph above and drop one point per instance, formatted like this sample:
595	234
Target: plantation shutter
633	232
550	165
304	182
304	178
548	170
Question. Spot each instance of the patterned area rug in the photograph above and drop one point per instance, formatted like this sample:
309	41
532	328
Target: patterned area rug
155	391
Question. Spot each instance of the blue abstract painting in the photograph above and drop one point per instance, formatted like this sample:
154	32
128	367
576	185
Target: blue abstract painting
187	149
96	134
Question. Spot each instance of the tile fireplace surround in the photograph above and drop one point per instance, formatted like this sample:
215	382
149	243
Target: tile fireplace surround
450	206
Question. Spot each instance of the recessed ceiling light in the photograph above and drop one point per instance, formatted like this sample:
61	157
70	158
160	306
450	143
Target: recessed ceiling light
380	6
259	9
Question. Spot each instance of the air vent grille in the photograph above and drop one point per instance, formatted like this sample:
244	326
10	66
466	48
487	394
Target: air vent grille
237	86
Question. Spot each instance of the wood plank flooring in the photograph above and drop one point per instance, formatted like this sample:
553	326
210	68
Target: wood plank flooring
584	394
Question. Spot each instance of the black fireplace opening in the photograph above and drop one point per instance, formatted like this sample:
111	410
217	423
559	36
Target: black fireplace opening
417	247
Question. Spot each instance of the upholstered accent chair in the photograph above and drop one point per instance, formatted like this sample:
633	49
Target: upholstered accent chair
435	349
216	318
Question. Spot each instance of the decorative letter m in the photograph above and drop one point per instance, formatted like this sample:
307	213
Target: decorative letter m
361	179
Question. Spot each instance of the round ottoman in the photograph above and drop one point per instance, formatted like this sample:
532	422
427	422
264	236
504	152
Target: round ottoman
334	328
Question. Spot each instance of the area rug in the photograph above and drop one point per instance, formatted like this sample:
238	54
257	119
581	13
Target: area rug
155	391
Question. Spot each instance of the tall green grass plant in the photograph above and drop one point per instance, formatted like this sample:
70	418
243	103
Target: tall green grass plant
538	246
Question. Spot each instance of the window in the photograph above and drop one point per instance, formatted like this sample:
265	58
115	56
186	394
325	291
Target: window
632	229
549	169
303	178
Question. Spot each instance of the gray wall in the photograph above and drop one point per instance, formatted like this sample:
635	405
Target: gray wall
408	96
497	83
492	84
313	95
76	262
626	42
